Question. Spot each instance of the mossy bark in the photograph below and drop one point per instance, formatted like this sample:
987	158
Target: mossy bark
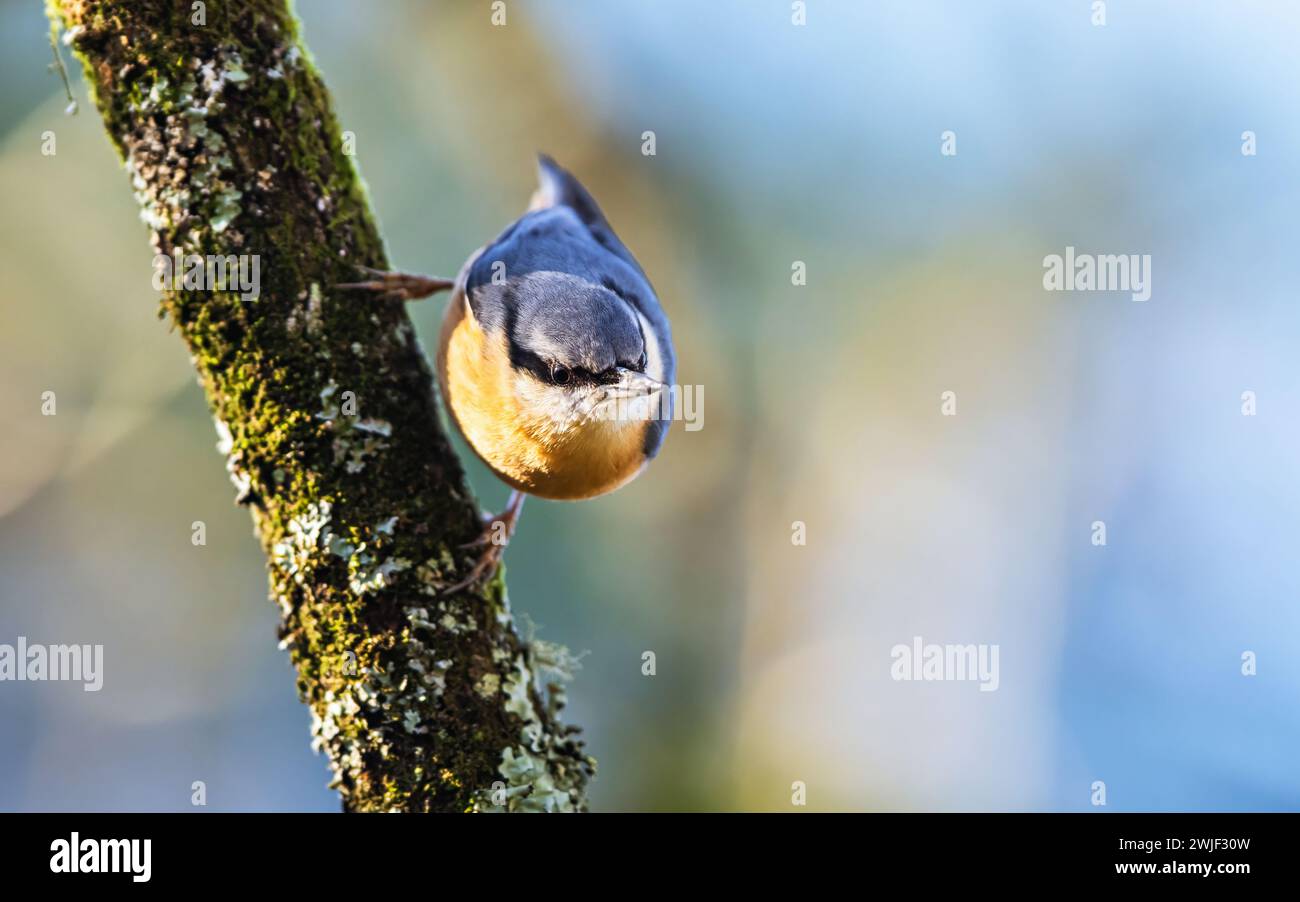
326	406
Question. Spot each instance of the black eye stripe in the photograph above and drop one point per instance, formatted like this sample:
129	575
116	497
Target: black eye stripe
558	374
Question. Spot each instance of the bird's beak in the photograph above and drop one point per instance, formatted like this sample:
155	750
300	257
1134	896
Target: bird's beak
632	384
630	397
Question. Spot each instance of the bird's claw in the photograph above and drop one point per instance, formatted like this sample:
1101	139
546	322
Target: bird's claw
484	569
477	542
493	539
398	286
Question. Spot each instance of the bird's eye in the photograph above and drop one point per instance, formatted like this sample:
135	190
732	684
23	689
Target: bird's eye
561	375
641	364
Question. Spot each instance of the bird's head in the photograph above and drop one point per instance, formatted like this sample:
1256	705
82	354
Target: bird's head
581	357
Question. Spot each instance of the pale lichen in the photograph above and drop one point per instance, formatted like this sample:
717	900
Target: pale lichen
202	190
488	685
540	775
307	534
356	439
530	786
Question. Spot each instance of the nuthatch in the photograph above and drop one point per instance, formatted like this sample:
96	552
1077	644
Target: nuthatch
555	357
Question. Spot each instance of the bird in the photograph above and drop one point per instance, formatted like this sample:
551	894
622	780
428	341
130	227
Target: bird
555	358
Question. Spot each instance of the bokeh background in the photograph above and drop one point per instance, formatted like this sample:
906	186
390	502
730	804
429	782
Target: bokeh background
775	143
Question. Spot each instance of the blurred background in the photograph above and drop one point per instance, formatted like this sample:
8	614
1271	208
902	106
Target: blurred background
774	143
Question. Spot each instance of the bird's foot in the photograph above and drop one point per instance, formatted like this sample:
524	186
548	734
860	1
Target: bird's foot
484	569
497	530
399	286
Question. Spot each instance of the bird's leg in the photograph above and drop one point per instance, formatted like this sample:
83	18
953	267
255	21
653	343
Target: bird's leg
497	530
399	285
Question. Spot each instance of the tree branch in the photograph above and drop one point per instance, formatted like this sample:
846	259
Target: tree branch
327	413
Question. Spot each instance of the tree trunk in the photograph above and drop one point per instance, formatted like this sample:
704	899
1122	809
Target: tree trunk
326	409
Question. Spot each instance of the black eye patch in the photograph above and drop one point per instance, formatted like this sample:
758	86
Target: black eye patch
563	375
